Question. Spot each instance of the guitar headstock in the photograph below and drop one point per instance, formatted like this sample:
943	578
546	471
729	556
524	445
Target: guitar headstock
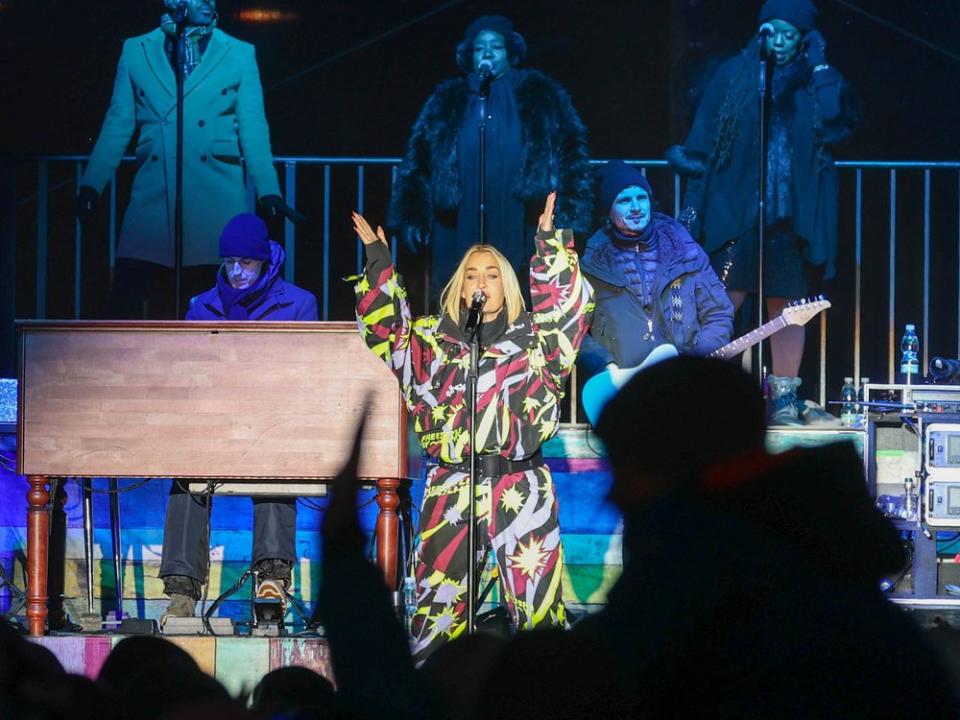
800	312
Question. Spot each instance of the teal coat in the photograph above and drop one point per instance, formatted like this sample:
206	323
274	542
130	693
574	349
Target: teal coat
223	122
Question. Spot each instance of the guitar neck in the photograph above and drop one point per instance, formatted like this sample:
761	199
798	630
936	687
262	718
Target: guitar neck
750	339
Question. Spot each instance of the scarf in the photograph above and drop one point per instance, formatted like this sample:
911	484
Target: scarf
236	302
489	332
196	37
505	213
779	189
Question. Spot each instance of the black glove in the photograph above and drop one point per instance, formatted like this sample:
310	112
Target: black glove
87	199
815	48
275	205
414	239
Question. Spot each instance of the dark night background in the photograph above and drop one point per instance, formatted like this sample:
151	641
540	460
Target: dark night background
348	78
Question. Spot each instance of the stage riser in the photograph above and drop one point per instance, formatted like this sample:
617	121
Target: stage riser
238	663
591	533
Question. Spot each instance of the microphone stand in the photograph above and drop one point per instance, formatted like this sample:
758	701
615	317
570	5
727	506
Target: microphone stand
181	20
763	86
482	128
472	484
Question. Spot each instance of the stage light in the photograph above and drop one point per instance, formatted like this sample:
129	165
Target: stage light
268	15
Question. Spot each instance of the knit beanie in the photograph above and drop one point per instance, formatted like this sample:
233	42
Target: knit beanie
613	178
245	236
802	14
515	44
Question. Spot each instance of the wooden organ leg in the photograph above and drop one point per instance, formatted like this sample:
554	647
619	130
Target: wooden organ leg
38	521
388	529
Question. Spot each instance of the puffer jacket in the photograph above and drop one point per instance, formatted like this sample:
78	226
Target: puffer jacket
693	311
276	299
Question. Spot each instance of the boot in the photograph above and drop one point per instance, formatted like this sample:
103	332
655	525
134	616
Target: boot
270	595
273	578
184	592
813	415
783	400
179	606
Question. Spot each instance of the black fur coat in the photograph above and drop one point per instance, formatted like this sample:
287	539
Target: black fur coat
554	156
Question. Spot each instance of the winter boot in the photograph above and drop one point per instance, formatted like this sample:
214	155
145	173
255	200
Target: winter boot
783	400
273	577
184	592
813	415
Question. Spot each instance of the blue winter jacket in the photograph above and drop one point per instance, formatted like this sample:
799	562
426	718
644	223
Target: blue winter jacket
279	301
702	323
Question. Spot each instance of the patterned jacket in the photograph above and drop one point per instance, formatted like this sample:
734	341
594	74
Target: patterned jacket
522	374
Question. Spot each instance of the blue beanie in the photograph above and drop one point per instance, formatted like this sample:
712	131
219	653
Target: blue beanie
802	14
613	178
245	236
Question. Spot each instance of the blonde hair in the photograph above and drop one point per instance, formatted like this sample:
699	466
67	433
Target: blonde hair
450	300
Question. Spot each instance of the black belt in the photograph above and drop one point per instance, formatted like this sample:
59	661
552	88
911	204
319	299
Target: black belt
490	465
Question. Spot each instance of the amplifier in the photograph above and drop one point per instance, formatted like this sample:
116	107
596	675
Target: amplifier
941	469
911	399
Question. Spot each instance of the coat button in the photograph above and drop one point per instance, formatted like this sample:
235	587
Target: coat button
223	92
141	92
203	158
201	123
153	157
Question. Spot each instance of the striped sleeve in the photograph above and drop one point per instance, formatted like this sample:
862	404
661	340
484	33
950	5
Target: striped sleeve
562	301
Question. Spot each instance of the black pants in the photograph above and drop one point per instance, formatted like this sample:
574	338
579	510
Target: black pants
186	537
144	289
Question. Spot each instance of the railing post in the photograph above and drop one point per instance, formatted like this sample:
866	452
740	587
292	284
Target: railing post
360	209
8	268
858	276
289	229
926	273
77	251
892	277
112	236
326	243
42	198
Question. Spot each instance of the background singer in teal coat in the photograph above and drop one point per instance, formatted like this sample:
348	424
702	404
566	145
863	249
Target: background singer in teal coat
224	121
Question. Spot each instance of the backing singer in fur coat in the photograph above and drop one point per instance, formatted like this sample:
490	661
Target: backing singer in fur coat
535	143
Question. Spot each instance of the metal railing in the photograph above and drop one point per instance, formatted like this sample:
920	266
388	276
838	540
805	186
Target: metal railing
365	182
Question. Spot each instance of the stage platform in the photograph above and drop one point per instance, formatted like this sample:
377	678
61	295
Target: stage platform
237	662
591	533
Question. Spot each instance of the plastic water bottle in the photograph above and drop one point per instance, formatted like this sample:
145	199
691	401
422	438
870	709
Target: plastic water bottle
910	354
848	398
409	601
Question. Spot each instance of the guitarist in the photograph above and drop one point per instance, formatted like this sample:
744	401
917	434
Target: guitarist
653	282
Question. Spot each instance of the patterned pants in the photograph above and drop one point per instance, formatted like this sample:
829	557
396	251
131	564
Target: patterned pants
517	516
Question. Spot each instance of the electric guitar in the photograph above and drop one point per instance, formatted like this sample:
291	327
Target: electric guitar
604	385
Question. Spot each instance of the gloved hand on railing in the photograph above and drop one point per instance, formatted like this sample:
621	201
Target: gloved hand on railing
87	200
274	205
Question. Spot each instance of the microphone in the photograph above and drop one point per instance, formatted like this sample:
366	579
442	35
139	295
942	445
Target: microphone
485	69
180	12
944	369
473	319
764	33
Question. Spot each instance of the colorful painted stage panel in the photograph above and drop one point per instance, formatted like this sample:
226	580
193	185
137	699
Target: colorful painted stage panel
591	533
238	663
